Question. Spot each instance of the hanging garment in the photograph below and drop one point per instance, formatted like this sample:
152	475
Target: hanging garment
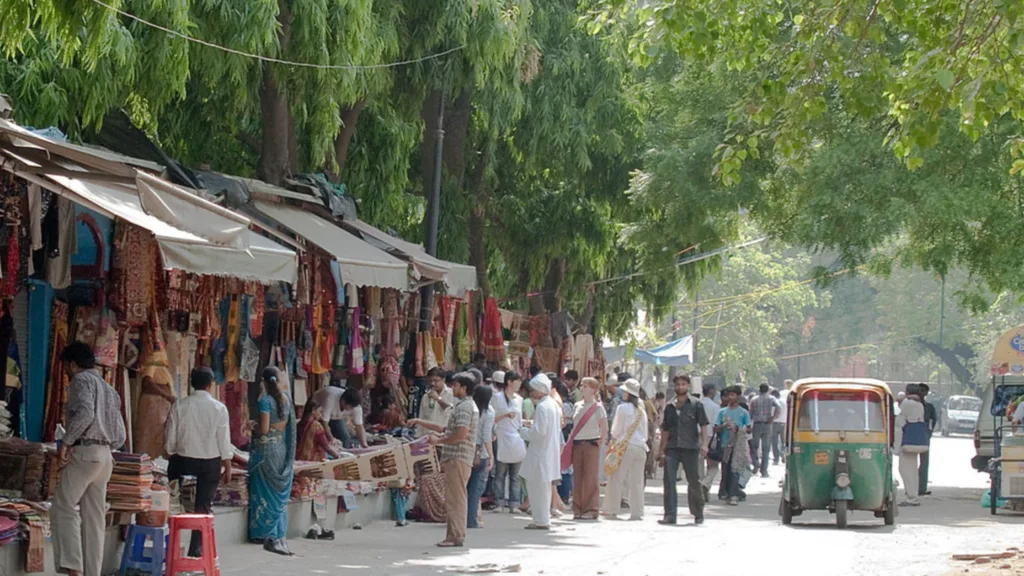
58	262
154	407
583	355
356	361
494	342
107	344
250	361
181	353
133	273
236	398
56	388
232	356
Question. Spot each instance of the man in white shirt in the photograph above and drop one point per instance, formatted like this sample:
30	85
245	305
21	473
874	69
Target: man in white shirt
198	442
542	466
329	400
436	403
712	406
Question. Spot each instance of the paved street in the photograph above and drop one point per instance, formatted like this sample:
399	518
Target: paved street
735	540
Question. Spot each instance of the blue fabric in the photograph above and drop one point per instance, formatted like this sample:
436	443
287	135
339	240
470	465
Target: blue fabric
565	488
915	434
475	489
401	503
271	471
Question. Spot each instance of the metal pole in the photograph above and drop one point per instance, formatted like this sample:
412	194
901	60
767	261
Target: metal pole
433	213
675	336
693	335
942	319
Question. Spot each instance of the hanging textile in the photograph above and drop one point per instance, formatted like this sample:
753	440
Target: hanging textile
464	351
181	353
494	342
156	391
547	358
427	354
356	361
14	236
107	343
236	398
232	356
583	355
133	273
56	389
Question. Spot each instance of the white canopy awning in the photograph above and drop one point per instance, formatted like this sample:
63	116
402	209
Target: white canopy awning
361	264
265	261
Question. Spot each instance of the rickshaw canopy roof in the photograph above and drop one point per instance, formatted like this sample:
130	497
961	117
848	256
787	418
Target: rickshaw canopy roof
801	386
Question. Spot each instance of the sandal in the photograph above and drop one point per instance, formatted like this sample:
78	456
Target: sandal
449	544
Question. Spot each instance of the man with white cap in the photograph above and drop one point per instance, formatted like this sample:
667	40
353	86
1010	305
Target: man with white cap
542	466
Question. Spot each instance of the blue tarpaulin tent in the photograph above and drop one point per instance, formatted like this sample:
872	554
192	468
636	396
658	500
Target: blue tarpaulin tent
677	353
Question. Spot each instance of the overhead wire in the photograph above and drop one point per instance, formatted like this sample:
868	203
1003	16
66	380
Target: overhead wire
271	59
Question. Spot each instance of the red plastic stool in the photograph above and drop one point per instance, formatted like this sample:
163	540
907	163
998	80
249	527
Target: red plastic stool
177	561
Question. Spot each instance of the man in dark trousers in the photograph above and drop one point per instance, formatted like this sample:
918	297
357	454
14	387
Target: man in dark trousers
931	418
199	444
684	440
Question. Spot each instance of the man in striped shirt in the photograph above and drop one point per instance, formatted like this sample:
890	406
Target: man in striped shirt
764	410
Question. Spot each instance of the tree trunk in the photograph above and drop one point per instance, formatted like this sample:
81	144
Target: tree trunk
583	323
456	129
349	119
431	106
553	284
477	224
953	359
274	157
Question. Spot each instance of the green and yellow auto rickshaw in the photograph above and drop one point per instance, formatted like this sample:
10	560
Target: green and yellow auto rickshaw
839	449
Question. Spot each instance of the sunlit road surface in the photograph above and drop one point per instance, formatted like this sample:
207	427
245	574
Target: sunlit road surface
747	540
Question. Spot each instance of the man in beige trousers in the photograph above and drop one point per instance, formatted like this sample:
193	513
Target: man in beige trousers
456	452
94	427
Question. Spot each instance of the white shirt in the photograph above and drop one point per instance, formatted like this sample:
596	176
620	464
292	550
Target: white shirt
784	400
432	411
198	427
329	400
711	409
625	416
354	415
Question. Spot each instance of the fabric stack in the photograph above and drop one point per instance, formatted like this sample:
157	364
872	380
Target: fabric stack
22	469
29	522
129	489
6	429
235	493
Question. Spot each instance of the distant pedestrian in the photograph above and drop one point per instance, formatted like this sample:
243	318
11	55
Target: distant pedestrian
684	441
910	442
457	451
94	428
712	407
542	466
931	419
734	425
779	426
485	456
764	410
198	442
629	441
590	428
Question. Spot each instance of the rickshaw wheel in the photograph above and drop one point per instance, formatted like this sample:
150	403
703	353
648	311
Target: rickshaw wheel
786	512
841	513
890	515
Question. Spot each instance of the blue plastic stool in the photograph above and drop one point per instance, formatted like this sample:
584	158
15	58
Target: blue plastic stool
134	556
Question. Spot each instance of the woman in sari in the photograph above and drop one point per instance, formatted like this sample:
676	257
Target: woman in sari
314	444
272	465
155	401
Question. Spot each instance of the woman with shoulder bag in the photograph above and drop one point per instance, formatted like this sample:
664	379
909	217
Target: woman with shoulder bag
627	454
583	451
910	442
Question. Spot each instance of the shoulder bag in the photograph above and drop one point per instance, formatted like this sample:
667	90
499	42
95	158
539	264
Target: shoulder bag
567	449
613	460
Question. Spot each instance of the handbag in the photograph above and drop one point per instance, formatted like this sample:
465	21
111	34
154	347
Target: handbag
613	460
915	434
715	447
567	449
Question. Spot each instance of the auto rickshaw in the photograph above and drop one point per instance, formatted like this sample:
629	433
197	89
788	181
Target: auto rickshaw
839	449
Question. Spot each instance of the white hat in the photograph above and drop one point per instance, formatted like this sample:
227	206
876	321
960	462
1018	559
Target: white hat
541	383
631	386
498	377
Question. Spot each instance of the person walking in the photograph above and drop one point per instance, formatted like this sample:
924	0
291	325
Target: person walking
911	440
272	465
508	419
684	441
542	467
457	452
484	457
764	410
711	406
94	428
590	428
779	426
198	444
629	442
931	418
734	425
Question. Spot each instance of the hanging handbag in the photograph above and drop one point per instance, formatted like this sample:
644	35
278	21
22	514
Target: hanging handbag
613	460
567	449
915	434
